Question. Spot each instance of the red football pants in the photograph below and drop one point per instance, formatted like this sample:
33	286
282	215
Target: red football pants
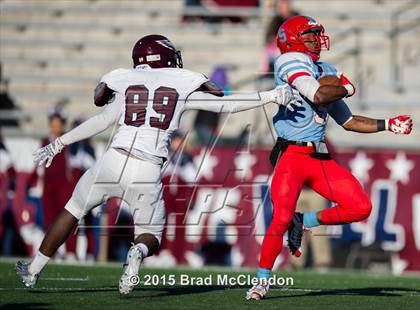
296	168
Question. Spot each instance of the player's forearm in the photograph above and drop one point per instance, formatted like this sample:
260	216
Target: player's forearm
329	93
94	125
402	124
87	129
364	124
227	104
310	88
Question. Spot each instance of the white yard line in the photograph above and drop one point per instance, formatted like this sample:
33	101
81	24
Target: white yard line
57	289
66	279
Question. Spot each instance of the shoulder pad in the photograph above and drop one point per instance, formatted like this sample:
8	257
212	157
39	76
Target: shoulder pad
103	95
288	65
196	79
110	76
294	56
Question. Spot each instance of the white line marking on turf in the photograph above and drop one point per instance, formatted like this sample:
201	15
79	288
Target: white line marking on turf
66	279
384	291
58	289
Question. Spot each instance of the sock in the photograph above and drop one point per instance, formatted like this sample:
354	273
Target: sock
263	273
38	263
310	220
143	248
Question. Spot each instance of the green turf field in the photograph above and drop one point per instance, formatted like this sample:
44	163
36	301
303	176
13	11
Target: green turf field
95	287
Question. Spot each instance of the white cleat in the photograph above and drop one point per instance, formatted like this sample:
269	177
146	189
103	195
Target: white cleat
257	292
130	277
22	270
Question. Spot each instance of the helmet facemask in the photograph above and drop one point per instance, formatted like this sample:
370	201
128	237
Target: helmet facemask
322	41
178	59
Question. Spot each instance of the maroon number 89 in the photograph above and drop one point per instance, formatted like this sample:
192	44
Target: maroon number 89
164	103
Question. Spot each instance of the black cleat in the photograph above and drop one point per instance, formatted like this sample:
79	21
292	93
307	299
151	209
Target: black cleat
295	232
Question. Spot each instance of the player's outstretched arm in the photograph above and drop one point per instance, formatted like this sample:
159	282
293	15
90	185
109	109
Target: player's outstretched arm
402	124
87	129
281	95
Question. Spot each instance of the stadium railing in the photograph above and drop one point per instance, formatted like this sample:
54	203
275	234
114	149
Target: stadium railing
399	27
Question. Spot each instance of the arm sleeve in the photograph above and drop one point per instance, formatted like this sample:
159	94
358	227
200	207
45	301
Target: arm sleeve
93	125
340	112
307	86
233	103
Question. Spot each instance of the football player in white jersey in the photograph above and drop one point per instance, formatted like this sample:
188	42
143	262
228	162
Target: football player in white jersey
147	102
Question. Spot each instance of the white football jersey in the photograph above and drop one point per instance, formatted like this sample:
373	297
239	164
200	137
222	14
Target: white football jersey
152	102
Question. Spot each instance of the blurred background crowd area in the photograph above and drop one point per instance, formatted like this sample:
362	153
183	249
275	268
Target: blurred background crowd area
53	53
56	51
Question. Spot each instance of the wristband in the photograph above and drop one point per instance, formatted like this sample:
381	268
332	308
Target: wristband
350	89
382	124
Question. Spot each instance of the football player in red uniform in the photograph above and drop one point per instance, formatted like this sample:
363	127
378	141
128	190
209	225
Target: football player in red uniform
300	155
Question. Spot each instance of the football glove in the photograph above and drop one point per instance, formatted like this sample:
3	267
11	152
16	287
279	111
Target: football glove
402	124
282	95
347	85
47	153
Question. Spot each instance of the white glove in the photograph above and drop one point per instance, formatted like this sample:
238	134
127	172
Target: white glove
47	153
282	95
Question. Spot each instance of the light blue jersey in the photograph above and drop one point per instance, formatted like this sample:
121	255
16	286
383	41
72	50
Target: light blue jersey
308	122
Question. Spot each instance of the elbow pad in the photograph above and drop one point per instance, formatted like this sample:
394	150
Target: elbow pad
307	86
103	95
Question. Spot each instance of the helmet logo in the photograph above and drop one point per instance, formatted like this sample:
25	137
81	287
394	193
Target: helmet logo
312	22
282	36
165	43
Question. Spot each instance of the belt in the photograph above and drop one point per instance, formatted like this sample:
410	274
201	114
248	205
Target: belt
319	146
298	143
320	149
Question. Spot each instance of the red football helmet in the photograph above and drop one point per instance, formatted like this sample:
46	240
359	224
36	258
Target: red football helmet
157	51
289	36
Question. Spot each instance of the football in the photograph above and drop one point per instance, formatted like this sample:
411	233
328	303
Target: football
330	80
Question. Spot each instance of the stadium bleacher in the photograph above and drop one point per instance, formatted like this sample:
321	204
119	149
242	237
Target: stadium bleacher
59	49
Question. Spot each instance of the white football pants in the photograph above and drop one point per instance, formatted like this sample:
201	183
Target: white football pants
137	182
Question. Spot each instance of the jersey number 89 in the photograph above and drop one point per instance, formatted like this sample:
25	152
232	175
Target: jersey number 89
164	103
